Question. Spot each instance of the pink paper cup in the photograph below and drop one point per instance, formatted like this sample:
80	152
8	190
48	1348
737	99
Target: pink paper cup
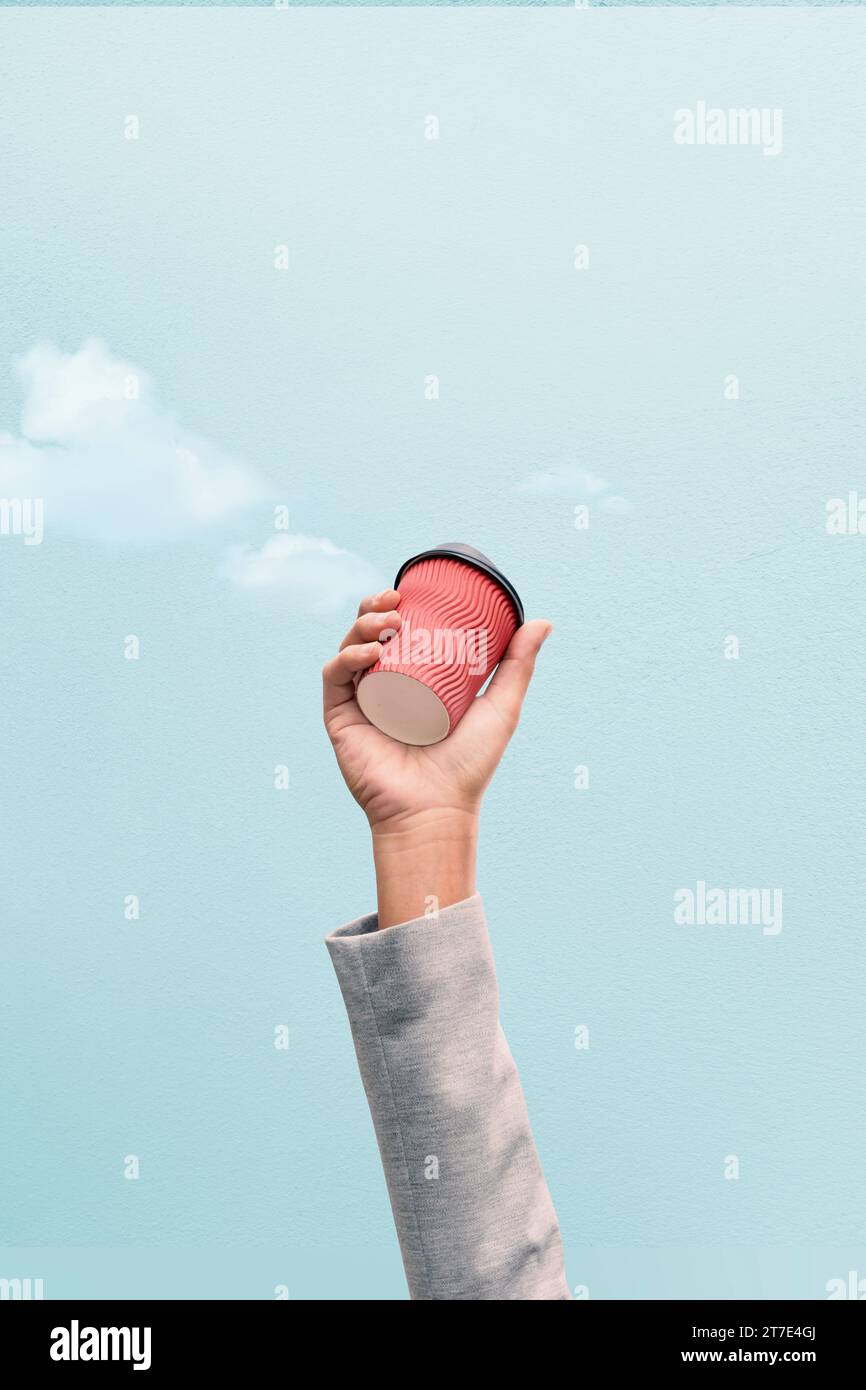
459	614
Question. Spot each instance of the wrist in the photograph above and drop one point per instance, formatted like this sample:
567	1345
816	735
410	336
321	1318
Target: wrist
424	862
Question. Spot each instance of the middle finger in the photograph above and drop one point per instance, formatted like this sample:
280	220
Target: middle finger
368	627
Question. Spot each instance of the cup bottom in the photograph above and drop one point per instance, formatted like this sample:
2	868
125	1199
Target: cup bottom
403	708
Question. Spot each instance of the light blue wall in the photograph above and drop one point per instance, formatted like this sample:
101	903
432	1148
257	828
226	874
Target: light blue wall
411	257
449	4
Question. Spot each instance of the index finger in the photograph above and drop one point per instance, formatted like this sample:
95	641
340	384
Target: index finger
378	603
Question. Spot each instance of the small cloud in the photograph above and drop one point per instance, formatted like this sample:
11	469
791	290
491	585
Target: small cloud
315	572
572	481
107	459
618	506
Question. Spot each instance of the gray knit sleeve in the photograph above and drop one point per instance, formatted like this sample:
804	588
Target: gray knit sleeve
472	1209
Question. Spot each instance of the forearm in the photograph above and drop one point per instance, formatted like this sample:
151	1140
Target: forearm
424	864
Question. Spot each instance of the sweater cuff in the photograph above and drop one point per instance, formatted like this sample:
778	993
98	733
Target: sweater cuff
410	966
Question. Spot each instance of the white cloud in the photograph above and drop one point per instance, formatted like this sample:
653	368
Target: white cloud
574	482
107	459
563	480
311	569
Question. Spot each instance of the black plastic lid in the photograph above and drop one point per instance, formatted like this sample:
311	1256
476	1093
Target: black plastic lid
457	550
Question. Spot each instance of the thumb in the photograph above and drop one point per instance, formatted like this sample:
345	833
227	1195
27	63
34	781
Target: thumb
511	679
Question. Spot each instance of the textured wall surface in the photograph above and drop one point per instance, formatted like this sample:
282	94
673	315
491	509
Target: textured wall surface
249	209
449	4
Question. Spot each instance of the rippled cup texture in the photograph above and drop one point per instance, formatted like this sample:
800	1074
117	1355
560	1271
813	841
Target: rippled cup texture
443	596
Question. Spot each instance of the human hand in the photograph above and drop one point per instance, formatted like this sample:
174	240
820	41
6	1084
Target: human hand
422	803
